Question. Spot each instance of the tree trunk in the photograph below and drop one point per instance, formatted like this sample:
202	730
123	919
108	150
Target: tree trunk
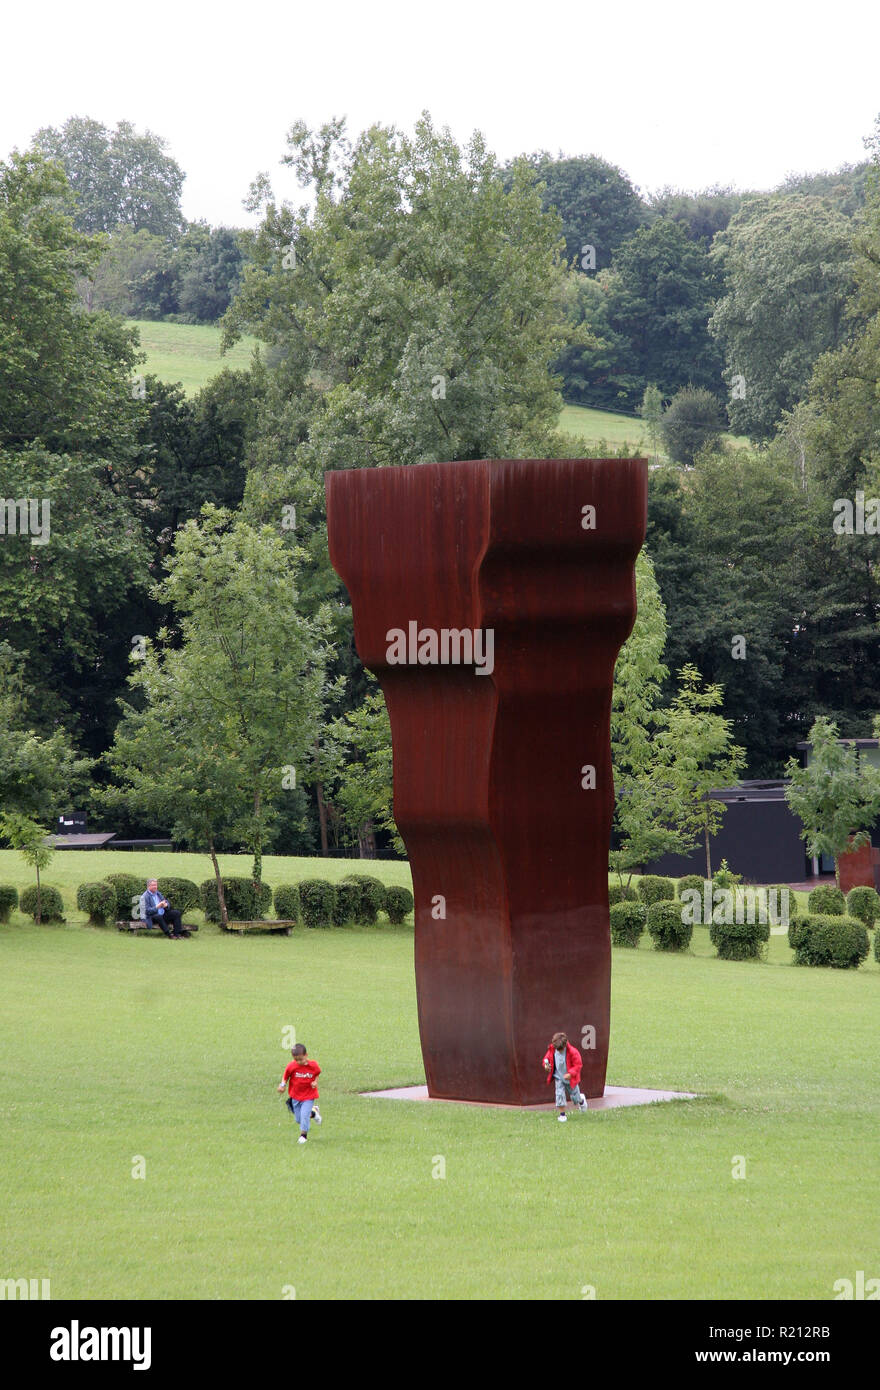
708	851
224	917
322	818
366	841
39	899
257	871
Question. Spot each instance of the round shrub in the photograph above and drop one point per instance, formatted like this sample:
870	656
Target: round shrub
653	889
779	900
627	923
372	897
827	939
127	887
827	901
245	900
318	899
399	903
691	883
347	903
621	893
863	903
670	933
52	901
8	900
183	894
739	940
287	904
99	901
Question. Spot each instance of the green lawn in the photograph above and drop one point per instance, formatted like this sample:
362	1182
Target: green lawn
188	353
117	1048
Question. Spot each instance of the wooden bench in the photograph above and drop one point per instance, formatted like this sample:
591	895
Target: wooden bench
279	927
147	928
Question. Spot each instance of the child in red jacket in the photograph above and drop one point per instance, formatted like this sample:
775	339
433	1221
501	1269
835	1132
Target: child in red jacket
563	1063
301	1078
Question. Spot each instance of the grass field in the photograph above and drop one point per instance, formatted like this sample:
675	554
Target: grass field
188	353
116	1048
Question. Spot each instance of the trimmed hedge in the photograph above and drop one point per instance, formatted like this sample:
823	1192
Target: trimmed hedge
826	901
126	887
183	894
245	902
691	883
654	889
347	903
627	923
99	901
621	893
8	900
287	903
739	940
372	892
670	933
863	903
52	901
877	946
318	899
828	939
399	903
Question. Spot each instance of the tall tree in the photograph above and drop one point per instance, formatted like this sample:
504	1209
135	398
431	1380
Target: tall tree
117	177
788	264
835	798
597	202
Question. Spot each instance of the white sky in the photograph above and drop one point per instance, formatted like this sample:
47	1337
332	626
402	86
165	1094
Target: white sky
686	92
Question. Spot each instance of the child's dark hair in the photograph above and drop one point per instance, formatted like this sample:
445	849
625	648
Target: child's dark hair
300	1050
559	1040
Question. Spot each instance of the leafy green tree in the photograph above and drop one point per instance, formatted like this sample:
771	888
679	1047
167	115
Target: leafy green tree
237	685
210	273
695	755
788	264
29	838
116	176
651	411
362	767
597	203
663	289
835	799
65	376
134	278
38	776
692	421
701	214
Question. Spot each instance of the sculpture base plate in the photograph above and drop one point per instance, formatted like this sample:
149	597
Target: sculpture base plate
614	1097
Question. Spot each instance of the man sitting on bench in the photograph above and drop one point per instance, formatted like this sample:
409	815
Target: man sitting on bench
155	908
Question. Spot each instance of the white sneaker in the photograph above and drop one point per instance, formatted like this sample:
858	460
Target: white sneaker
562	1119
301	1139
316	1115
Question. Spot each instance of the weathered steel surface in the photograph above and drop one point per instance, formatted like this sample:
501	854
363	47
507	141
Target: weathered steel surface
502	835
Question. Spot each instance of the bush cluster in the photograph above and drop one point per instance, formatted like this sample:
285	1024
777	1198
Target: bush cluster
827	901
245	900
99	901
182	893
318	899
346	903
372	897
863	903
828	939
127	887
665	924
691	883
8	900
287	904
399	903
739	940
653	889
52	901
621	893
627	923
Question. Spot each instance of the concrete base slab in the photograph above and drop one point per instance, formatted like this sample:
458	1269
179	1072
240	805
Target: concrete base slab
614	1097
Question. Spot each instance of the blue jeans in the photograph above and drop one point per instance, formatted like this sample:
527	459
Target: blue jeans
301	1110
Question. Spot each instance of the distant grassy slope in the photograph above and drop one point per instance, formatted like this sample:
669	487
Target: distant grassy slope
605	424
188	353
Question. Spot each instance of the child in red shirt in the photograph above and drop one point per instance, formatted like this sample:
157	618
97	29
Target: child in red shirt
301	1078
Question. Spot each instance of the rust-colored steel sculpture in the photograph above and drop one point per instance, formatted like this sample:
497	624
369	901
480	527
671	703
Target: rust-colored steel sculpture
502	772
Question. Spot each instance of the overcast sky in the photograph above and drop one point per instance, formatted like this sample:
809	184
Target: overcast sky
687	92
